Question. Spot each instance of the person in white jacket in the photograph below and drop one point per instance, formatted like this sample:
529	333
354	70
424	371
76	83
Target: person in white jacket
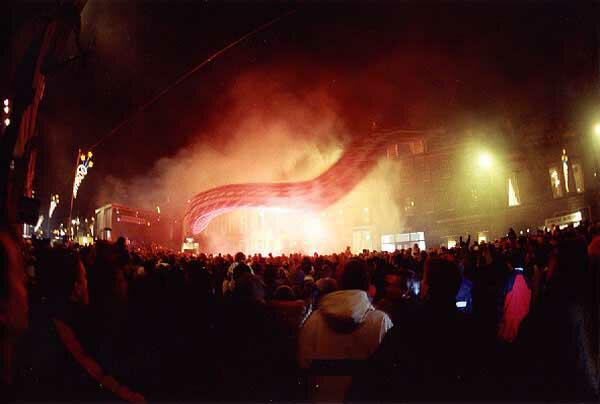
345	326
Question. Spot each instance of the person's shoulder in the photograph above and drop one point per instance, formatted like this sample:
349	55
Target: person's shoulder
378	319
314	319
377	316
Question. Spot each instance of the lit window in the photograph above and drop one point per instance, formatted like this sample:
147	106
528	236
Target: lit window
565	168
389	247
361	240
393	151
557	191
387	238
578	176
409	205
444	168
513	191
402	240
474	196
402	237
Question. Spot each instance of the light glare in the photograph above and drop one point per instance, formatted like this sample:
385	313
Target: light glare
485	160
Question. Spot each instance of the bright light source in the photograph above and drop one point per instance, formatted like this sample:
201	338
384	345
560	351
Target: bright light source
7	122
6	102
597	129
485	160
6	110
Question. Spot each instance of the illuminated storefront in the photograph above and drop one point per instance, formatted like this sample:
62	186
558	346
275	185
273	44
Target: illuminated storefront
399	241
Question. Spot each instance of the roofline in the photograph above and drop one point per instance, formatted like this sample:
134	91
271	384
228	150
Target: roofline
119	206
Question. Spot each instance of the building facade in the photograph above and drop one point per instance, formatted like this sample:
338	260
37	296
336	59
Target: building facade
482	188
450	187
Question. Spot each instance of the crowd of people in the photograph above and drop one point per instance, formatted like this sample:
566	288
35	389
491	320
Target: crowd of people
515	319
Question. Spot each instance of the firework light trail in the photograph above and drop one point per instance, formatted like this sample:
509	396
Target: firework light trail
358	159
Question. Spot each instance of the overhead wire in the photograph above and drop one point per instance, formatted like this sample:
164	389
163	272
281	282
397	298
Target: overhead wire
187	75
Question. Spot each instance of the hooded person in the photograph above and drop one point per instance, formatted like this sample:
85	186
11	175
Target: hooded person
345	328
326	286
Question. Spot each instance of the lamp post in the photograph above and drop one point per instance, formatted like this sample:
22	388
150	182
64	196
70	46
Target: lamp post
54	201
82	164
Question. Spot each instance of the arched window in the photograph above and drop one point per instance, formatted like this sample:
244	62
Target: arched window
514	198
565	168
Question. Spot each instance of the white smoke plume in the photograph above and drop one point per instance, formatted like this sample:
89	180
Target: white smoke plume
270	134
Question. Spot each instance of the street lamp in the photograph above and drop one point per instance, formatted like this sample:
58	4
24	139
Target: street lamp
485	160
597	129
54	201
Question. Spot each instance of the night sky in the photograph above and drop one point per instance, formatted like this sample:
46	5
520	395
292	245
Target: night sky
460	66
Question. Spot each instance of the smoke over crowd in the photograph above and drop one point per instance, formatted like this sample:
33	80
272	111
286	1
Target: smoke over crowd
269	133
284	104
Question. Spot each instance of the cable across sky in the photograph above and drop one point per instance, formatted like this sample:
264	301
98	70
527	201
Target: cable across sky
187	75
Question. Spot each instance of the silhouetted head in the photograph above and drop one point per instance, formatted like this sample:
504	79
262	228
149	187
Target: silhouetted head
396	284
284	292
240	270
240	257
62	277
249	288
355	275
441	281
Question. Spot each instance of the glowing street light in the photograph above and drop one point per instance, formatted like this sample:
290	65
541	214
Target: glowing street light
83	163
597	129
485	160
39	223
7	122
6	102
54	201
82	169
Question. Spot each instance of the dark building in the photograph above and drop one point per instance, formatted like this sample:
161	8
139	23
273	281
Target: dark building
480	187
